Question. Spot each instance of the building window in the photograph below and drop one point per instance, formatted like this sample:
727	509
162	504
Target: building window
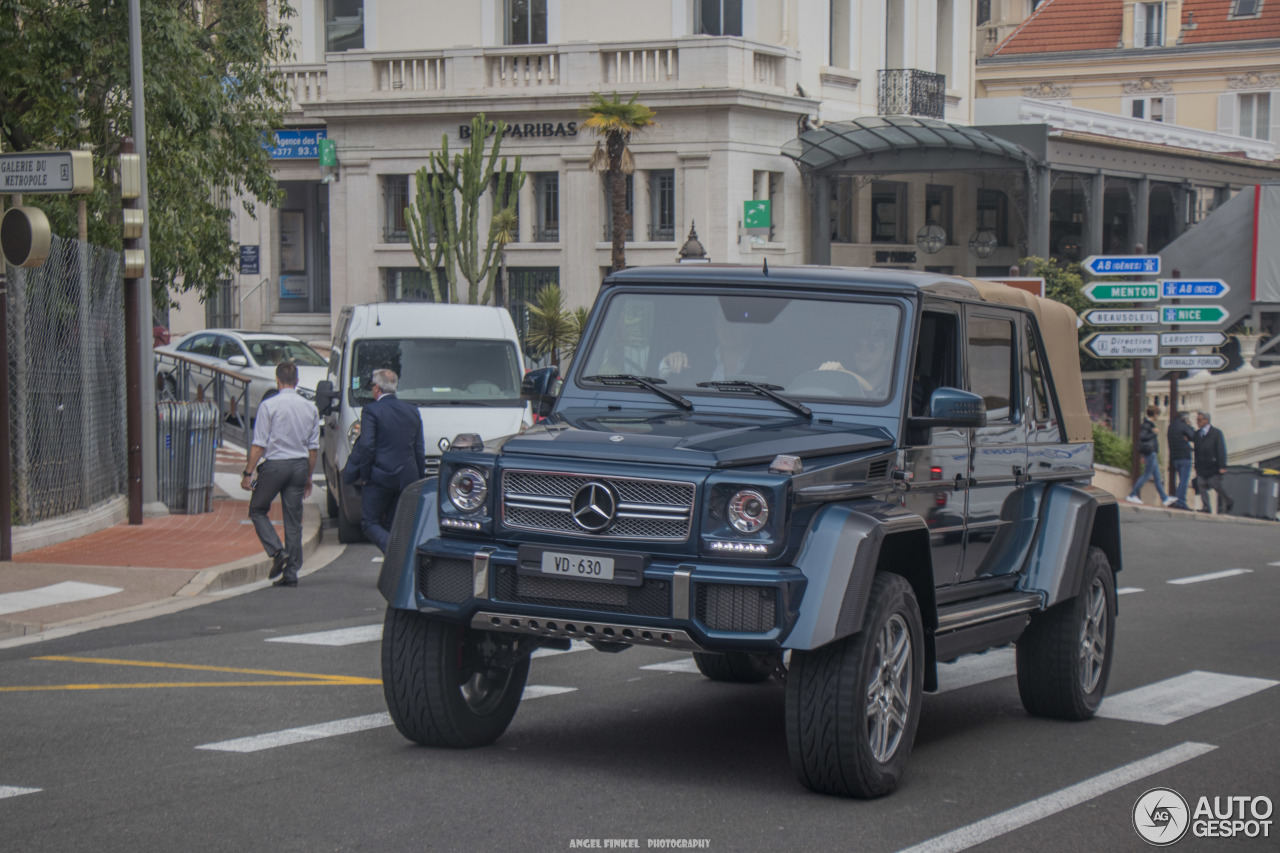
629	205
993	214
842	210
662	205
411	284
509	199
938	207
1152	109
395	197
984	11
546	200
888	212
717	17
526	21
523	284
840	27
1255	115
1246	8
1148	24
343	25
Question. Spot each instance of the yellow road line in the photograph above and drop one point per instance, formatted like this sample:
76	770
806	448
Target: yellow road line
300	678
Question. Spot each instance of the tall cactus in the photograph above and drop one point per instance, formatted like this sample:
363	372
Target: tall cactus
448	197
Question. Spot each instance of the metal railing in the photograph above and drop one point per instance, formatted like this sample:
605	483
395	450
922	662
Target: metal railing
912	92
179	378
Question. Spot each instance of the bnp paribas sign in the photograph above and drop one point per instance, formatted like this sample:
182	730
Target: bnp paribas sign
528	130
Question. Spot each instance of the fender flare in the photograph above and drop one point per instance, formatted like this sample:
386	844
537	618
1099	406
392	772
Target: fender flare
415	522
839	559
1072	518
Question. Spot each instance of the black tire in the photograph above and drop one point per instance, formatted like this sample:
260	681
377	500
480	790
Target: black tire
436	684
852	710
1064	656
330	500
738	667
349	532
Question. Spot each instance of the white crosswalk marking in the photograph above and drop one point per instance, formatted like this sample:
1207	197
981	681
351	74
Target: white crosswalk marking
1128	590
977	669
1276	563
58	593
1182	696
351	725
1028	813
679	665
10	791
338	637
1212	576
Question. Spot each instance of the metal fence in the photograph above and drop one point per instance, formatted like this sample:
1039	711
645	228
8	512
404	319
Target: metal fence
66	382
184	378
187	439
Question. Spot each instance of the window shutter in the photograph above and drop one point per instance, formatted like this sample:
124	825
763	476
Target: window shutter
1275	117
1227	114
1170	117
1126	107
1139	24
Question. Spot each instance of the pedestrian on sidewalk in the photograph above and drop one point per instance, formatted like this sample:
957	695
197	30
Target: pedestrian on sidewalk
1181	437
1211	464
388	455
1149	449
286	436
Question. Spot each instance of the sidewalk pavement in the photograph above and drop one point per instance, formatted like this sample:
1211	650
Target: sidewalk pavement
129	572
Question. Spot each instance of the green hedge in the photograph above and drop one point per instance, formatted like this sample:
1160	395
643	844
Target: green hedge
1111	449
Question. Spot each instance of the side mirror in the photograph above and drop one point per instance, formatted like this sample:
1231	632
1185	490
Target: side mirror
951	407
540	388
326	397
238	361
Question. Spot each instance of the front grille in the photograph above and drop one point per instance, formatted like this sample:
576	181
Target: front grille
647	509
652	598
446	579
433	466
733	607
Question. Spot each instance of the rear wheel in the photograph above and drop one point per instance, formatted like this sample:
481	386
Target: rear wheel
349	532
1064	656
448	685
737	667
853	705
330	499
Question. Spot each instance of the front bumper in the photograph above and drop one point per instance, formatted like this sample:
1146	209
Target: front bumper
679	604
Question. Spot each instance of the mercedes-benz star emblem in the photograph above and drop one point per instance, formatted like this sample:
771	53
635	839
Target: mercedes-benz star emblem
593	507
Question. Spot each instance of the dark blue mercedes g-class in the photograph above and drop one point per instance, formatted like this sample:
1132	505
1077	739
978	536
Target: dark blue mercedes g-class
839	478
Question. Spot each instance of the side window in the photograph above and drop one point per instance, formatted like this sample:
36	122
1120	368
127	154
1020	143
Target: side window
935	359
202	345
228	347
339	341
991	364
1044	427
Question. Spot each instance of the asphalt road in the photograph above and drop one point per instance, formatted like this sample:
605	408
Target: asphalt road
178	734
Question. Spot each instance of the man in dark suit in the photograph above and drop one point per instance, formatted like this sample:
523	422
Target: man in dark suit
1211	463
388	456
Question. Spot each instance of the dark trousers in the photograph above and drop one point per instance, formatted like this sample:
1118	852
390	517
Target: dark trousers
1205	483
1182	467
287	478
377	511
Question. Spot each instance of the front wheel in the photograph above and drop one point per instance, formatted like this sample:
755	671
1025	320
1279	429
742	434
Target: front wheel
736	667
853	705
1064	656
448	685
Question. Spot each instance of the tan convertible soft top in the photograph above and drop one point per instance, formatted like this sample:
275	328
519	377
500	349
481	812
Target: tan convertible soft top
1061	343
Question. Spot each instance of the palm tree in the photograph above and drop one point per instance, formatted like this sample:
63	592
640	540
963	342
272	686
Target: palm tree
552	327
616	121
503	225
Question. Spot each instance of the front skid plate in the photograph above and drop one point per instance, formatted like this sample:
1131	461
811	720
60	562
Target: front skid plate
577	629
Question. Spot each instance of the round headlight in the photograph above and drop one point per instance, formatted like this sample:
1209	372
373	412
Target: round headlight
467	489
748	511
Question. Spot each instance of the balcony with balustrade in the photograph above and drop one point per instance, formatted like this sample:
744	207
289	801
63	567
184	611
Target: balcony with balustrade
563	69
912	92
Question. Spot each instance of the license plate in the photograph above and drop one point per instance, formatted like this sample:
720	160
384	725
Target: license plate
564	564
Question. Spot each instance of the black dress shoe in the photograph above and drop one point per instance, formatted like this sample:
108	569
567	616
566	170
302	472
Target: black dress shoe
277	564
284	582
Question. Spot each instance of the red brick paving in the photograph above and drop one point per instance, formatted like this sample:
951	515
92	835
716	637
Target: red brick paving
173	542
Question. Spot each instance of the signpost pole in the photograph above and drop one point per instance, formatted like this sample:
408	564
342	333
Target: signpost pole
1173	398
1139	397
6	477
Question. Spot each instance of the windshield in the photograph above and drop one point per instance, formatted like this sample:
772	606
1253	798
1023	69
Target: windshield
269	353
806	347
440	371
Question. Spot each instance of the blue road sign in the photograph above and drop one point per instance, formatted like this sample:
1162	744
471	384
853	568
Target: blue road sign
1178	288
1122	264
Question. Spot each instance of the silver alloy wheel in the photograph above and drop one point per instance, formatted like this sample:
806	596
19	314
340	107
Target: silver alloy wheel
888	689
484	690
1093	636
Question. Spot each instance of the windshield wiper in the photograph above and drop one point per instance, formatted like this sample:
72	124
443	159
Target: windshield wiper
762	388
650	383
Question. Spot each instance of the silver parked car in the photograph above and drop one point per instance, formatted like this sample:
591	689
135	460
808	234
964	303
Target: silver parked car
251	354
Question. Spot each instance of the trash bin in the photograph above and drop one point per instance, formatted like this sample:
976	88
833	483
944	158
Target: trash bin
186	440
1242	484
1269	495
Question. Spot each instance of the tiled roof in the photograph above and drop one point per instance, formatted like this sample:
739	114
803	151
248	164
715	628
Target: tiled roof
1072	25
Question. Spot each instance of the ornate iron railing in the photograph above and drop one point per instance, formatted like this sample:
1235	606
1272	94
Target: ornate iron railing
911	92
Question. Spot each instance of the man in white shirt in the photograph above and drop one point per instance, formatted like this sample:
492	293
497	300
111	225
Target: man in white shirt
286	436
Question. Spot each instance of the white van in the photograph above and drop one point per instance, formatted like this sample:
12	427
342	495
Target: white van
459	364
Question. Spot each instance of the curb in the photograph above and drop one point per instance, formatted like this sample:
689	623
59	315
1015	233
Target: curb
216	579
1190	515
